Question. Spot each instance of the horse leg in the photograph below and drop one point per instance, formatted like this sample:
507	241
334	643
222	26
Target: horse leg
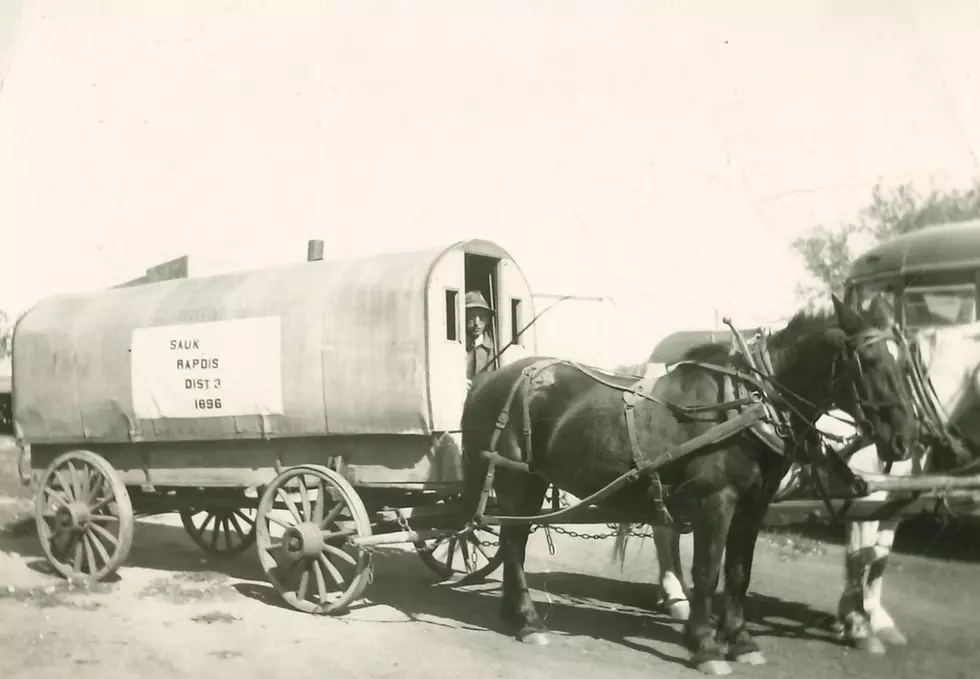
861	539
882	624
711	526
521	495
739	554
668	543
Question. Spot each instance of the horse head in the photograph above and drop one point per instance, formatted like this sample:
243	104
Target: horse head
870	380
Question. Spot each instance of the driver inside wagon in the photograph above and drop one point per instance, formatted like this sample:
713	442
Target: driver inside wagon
479	339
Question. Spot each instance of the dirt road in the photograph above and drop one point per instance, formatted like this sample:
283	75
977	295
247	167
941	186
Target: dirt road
172	613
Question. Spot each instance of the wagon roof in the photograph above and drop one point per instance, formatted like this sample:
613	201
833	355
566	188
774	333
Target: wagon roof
944	246
362	322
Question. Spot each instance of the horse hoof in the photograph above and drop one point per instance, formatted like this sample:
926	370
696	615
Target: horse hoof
870	645
715	668
752	658
535	638
892	637
679	610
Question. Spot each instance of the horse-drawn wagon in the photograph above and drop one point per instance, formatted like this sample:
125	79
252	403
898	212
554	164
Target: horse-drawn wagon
312	409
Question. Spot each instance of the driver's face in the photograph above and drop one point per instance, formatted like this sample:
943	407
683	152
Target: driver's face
476	322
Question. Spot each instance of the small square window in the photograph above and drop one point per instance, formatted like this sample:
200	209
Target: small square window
452	320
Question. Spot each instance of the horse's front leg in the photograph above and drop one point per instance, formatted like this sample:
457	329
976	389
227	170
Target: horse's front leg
882	624
858	561
711	525
739	554
521	495
668	544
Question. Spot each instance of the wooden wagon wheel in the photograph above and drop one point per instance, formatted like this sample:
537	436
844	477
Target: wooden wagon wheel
221	531
84	516
474	555
305	518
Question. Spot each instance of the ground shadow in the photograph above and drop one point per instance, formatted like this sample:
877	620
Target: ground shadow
156	546
570	609
925	536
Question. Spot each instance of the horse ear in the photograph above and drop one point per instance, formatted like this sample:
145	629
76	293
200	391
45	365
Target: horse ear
882	312
847	318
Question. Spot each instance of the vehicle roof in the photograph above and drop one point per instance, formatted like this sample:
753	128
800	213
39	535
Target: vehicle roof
944	246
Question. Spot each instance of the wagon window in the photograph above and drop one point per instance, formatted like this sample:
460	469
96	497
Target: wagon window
516	322
452	322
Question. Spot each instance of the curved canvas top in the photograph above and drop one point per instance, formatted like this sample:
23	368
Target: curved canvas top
329	347
946	246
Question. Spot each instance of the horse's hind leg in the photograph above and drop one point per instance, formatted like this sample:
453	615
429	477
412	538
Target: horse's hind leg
882	624
711	526
519	494
668	543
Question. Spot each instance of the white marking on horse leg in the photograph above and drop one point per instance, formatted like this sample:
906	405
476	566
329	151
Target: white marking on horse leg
851	611
882	623
671	576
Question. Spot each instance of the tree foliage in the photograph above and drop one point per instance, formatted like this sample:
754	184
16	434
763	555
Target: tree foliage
827	253
6	334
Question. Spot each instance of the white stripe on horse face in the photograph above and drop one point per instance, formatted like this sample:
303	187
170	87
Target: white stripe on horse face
893	349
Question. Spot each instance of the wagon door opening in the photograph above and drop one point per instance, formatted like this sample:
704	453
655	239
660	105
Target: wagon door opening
480	274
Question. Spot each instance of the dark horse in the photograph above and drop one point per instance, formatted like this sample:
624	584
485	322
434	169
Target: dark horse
569	425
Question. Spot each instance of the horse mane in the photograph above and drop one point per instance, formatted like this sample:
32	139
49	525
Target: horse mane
803	324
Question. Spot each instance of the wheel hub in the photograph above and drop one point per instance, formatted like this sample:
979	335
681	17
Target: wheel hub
302	541
72	517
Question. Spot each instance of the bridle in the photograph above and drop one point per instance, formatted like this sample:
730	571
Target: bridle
859	384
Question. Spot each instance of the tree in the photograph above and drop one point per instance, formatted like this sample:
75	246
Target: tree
6	334
827	253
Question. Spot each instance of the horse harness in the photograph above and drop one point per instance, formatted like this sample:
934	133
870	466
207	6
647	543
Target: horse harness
744	408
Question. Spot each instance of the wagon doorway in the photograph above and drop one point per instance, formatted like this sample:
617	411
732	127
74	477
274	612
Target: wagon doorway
480	274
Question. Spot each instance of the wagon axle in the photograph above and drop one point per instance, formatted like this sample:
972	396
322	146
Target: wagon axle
72	517
302	541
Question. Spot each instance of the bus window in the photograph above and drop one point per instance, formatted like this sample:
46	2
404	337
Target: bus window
939	305
865	293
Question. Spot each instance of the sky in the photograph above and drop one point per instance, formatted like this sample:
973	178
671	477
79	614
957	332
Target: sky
661	154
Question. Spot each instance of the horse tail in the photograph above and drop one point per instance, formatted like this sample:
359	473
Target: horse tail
623	533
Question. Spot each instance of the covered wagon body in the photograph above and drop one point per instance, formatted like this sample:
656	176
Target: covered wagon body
221	380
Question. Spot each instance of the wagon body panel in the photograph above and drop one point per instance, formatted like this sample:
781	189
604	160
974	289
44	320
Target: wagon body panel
330	348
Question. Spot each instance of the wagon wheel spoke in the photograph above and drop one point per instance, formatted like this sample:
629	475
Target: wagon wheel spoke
273	547
57	495
76	488
452	553
333	535
108	518
321	502
290	505
304	582
104	534
279	522
464	548
79	553
321	585
66	486
331	517
340	554
101	503
99	547
304	498
96	488
334	573
89	554
233	521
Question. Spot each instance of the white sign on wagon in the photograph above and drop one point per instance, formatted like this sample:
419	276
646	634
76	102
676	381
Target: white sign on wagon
217	369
